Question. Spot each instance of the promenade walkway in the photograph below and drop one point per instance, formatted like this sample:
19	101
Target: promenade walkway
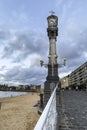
74	110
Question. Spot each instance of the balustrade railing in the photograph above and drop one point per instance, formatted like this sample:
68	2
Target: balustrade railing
48	119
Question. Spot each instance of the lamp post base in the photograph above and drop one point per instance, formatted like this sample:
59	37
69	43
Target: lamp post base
48	89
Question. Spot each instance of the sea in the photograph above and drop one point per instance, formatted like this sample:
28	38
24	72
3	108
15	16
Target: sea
4	94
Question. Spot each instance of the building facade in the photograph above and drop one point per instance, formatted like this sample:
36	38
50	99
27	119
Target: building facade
78	76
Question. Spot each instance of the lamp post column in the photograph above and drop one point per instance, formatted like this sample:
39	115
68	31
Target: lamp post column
52	78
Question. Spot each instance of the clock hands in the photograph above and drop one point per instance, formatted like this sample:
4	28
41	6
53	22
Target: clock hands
52	20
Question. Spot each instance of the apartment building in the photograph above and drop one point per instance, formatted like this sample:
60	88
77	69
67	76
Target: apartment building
78	76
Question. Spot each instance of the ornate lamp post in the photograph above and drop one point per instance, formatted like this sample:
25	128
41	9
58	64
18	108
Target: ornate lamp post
52	78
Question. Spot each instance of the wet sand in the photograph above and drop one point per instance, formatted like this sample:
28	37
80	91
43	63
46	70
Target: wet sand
19	113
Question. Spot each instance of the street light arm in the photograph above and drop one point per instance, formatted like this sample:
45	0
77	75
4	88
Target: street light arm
59	65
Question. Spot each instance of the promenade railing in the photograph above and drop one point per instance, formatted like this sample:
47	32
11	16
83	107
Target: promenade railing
48	119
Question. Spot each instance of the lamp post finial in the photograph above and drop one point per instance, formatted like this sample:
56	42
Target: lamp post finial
52	12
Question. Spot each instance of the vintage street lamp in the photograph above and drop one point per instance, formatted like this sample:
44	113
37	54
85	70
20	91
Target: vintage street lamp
41	62
64	61
52	78
59	65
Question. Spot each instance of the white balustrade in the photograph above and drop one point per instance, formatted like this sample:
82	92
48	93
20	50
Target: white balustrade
48	119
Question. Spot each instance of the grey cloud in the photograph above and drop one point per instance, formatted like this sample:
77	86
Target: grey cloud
73	50
31	75
19	47
24	45
74	47
2	67
4	35
72	40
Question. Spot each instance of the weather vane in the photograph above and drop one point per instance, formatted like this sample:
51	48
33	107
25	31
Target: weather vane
52	12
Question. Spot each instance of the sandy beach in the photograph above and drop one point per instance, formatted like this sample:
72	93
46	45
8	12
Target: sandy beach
19	113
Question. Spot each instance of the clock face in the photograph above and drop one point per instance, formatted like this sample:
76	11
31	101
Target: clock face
52	22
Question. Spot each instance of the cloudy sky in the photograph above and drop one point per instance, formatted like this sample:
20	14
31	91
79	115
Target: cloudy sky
23	38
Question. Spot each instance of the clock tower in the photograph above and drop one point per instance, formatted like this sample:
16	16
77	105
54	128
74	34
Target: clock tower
52	78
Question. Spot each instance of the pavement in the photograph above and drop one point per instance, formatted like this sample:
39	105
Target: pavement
73	114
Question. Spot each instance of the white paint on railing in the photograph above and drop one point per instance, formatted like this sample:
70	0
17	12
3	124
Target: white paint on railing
48	119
